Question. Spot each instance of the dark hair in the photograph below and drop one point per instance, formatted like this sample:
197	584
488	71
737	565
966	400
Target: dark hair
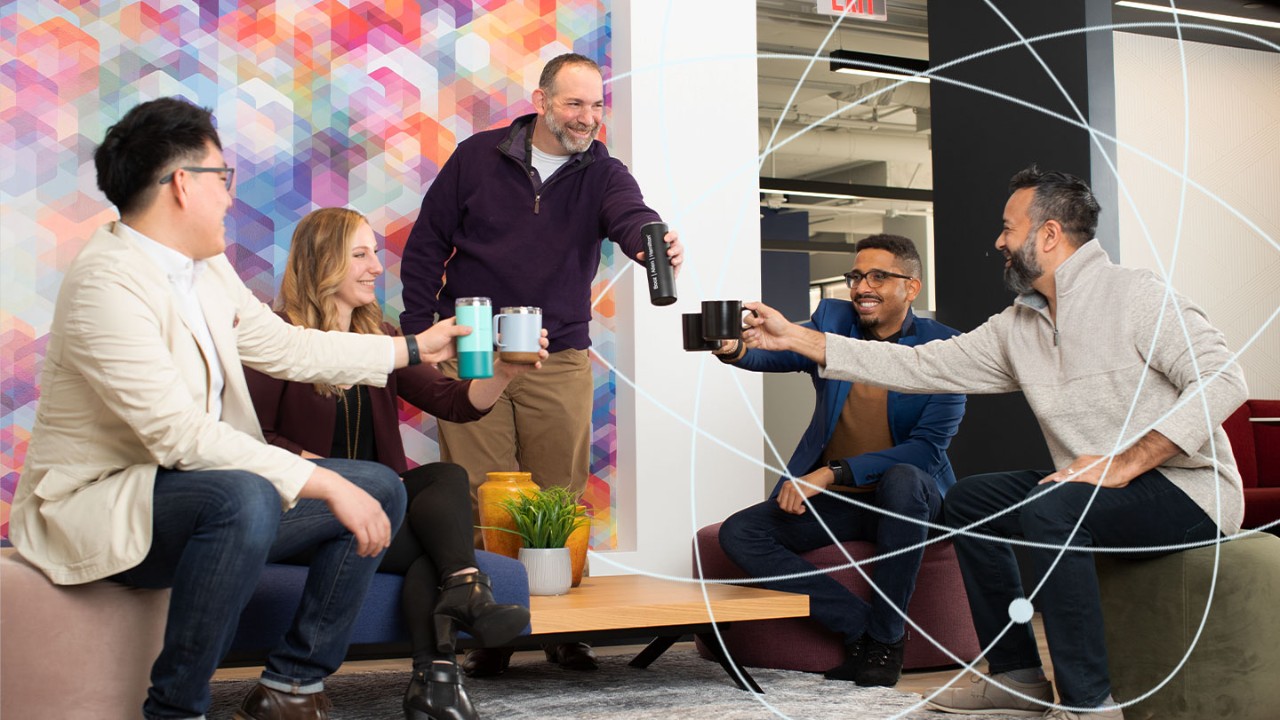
1060	196
150	140
547	81
901	248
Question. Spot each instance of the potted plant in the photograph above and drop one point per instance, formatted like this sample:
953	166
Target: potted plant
544	520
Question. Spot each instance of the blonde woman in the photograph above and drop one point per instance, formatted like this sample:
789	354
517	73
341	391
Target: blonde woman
329	284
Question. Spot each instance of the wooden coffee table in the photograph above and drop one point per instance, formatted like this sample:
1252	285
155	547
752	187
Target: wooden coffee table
640	606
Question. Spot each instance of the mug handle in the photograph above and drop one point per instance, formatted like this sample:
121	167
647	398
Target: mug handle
497	328
744	316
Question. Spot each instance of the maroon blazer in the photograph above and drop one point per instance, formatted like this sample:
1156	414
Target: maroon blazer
295	418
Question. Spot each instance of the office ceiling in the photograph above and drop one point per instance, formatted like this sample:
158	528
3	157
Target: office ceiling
834	127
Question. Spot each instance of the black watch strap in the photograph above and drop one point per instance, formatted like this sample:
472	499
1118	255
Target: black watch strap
841	472
411	344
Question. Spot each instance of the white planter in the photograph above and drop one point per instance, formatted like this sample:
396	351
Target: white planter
550	570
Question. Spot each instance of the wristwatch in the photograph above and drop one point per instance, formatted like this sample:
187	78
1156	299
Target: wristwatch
841	472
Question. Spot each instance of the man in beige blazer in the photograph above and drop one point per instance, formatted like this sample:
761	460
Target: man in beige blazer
146	463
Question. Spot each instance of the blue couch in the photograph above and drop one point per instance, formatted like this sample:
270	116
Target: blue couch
379	628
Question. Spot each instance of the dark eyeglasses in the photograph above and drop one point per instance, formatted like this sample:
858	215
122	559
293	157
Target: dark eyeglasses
874	279
231	173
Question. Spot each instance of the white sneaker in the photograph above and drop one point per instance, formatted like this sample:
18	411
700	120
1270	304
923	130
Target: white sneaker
979	696
1111	713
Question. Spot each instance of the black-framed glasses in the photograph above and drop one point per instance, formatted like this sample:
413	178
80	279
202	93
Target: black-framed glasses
874	279
231	173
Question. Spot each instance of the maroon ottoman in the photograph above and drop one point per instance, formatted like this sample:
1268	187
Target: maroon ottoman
939	606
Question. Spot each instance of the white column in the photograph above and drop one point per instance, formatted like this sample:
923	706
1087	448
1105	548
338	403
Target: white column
684	121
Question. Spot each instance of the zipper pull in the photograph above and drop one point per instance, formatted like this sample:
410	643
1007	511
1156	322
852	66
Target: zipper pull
1055	336
537	199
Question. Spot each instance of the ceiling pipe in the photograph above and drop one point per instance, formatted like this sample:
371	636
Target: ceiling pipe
839	147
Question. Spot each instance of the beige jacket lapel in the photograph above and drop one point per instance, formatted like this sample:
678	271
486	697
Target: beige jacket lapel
237	406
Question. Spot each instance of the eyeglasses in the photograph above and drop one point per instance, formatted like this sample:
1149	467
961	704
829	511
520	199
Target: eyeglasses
231	173
874	279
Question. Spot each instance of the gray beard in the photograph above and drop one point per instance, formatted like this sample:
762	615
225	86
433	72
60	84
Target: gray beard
566	141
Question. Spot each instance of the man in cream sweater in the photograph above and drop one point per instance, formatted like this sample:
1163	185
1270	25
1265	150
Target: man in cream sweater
1130	384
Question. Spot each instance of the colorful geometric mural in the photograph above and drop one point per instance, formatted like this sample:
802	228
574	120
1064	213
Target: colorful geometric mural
335	102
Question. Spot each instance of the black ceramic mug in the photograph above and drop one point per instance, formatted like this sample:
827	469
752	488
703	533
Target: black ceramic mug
722	319
692	330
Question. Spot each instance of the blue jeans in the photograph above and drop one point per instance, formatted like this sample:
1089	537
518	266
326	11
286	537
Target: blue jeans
765	541
1149	512
212	533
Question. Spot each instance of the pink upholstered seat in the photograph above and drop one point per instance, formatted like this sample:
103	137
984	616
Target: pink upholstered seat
80	652
939	606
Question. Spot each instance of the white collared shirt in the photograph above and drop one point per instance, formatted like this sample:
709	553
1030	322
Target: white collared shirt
184	273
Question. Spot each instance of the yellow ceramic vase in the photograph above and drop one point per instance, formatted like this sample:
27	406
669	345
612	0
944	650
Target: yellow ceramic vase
577	545
489	497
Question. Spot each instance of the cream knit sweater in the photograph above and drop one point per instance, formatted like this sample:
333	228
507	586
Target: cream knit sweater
1127	355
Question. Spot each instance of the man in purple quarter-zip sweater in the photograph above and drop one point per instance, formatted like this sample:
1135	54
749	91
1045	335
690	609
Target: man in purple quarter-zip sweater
517	215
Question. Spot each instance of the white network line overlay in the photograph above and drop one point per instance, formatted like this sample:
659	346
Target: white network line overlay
1123	439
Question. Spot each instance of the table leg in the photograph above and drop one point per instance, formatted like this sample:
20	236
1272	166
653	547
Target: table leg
652	651
741	678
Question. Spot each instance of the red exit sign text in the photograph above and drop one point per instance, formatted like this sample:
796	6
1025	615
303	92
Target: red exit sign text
855	9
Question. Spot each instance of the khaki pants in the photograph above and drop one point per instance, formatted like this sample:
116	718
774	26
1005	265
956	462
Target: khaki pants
541	425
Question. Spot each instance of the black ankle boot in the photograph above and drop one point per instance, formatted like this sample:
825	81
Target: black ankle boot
437	694
466	603
881	663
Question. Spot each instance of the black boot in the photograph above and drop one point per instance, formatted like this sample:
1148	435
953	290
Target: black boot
437	694
881	663
466	603
848	669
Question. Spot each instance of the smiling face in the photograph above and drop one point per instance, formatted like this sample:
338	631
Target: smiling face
210	200
882	310
358	286
1019	242
569	116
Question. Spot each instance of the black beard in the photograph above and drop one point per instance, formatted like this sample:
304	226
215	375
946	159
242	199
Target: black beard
1023	268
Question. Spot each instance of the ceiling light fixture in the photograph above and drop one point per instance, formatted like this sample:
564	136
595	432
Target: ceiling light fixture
882	66
825	195
1198	14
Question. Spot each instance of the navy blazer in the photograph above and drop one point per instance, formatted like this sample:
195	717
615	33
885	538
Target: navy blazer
921	425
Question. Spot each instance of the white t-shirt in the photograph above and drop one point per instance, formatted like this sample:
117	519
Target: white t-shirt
546	164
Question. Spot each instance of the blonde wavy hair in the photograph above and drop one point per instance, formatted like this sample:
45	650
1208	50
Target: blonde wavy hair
319	255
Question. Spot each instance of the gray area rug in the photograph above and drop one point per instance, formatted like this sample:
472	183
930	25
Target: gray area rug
679	684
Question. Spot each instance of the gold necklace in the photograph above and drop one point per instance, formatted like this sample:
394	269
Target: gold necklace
351	445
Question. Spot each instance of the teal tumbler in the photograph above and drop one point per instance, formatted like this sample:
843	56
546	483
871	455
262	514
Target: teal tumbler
475	351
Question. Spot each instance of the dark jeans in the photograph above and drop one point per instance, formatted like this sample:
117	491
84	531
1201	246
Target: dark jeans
435	541
767	542
1149	512
212	533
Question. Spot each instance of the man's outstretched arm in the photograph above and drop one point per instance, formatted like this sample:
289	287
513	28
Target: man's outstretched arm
768	330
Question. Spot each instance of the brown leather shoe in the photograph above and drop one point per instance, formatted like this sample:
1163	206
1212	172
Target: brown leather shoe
264	703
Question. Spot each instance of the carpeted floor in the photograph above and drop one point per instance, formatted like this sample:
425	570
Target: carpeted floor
678	685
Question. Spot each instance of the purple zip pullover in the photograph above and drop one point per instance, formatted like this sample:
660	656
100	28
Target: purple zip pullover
499	233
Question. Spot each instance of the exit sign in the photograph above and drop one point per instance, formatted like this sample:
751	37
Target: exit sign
855	9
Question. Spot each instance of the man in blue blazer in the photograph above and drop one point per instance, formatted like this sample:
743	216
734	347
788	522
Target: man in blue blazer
881	457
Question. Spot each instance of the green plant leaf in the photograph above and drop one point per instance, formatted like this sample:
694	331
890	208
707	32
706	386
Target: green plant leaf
546	518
